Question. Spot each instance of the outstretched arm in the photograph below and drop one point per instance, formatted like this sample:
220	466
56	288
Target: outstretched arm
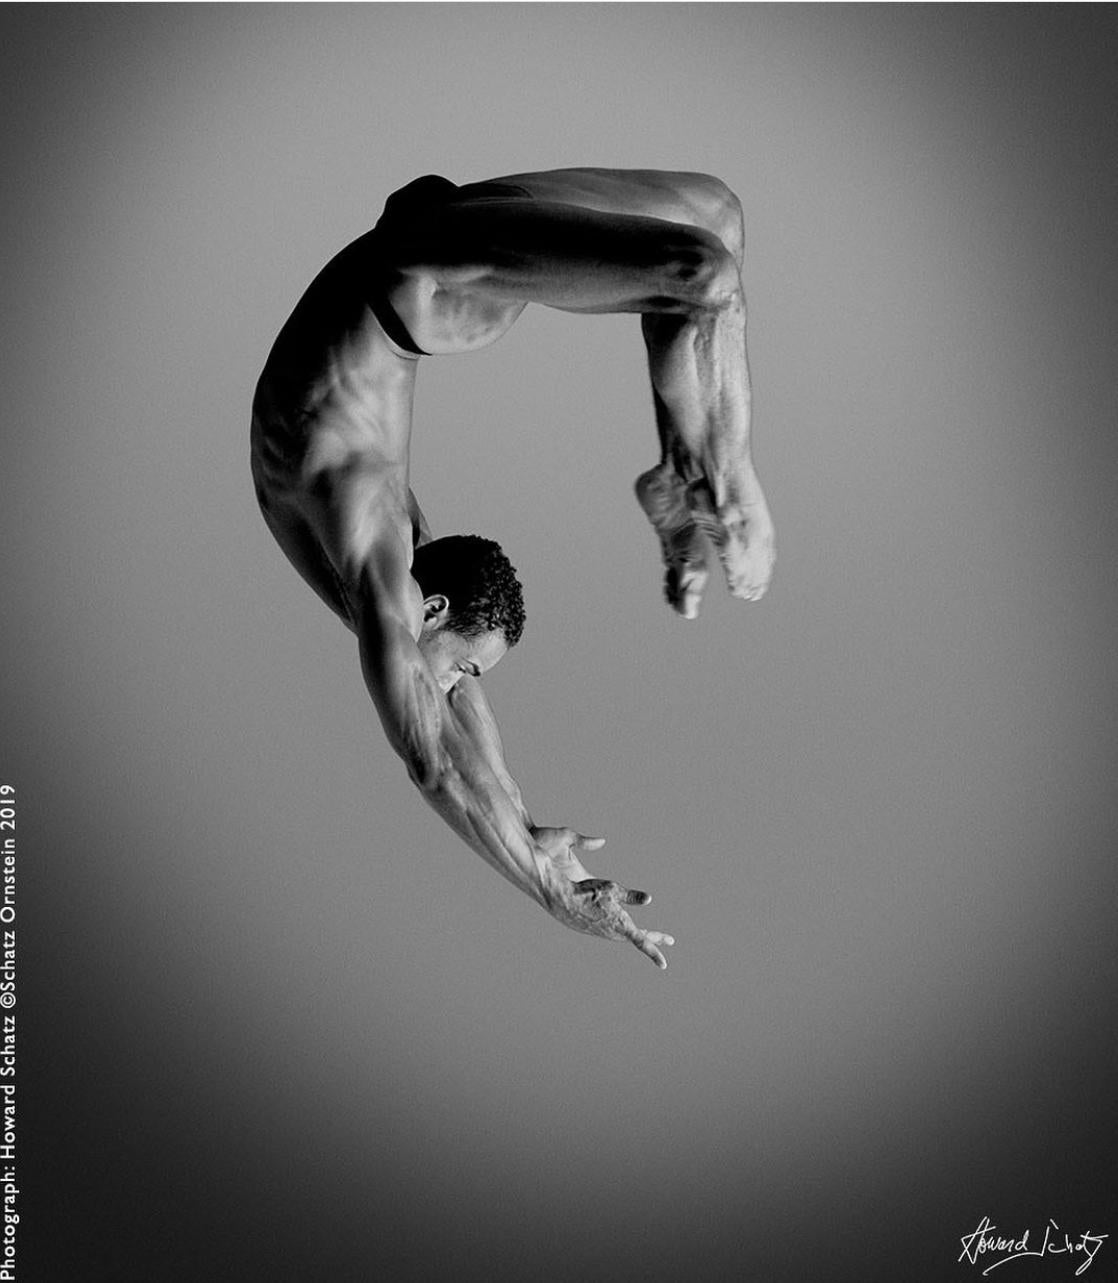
423	729
583	895
453	753
470	705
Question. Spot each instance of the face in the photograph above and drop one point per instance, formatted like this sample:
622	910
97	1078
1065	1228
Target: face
449	654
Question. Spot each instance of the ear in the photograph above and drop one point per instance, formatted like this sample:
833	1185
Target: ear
435	611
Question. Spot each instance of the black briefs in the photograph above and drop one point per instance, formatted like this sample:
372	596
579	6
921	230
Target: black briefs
401	207
389	321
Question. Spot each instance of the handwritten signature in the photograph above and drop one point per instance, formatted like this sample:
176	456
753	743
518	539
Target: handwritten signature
984	1240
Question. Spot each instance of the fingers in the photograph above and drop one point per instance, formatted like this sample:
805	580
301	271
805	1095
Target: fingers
648	943
604	889
600	912
588	844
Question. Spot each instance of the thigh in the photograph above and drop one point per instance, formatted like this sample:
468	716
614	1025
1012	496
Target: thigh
694	199
562	255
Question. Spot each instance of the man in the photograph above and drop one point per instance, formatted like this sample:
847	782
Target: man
449	269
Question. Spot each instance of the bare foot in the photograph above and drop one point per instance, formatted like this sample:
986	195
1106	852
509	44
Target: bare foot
742	535
663	495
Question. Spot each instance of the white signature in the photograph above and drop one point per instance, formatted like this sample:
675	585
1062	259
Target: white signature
984	1239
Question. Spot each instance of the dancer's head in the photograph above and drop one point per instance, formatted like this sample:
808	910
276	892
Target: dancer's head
473	607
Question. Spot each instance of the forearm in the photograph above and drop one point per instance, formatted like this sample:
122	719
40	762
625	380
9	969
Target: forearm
508	785
478	724
473	801
457	782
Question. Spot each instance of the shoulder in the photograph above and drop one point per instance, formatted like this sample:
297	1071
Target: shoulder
388	598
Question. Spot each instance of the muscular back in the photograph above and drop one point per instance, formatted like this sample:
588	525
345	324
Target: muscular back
333	385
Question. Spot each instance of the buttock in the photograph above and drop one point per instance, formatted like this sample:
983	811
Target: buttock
417	198
432	190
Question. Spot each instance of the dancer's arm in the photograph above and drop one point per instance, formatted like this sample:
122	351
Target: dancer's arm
454	757
424	730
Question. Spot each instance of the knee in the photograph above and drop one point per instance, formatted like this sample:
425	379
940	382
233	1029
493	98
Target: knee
718	210
730	225
703	272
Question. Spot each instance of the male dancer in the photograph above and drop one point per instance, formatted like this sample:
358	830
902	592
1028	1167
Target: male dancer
448	269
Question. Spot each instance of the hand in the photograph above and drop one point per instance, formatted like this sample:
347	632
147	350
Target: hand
593	906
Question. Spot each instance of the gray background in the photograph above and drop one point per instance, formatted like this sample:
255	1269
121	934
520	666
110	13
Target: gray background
276	1021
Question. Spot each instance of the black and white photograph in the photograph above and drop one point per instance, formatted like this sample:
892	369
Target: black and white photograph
559	643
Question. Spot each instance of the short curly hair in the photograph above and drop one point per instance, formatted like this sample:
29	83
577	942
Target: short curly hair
478	580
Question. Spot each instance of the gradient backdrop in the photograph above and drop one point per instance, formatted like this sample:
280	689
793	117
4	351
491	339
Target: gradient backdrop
276	1022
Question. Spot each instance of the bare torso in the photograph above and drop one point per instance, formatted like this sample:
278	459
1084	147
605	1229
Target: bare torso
333	382
456	267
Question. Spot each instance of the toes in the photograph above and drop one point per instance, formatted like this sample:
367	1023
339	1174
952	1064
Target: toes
742	537
663	497
683	588
748	582
749	593
685	558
